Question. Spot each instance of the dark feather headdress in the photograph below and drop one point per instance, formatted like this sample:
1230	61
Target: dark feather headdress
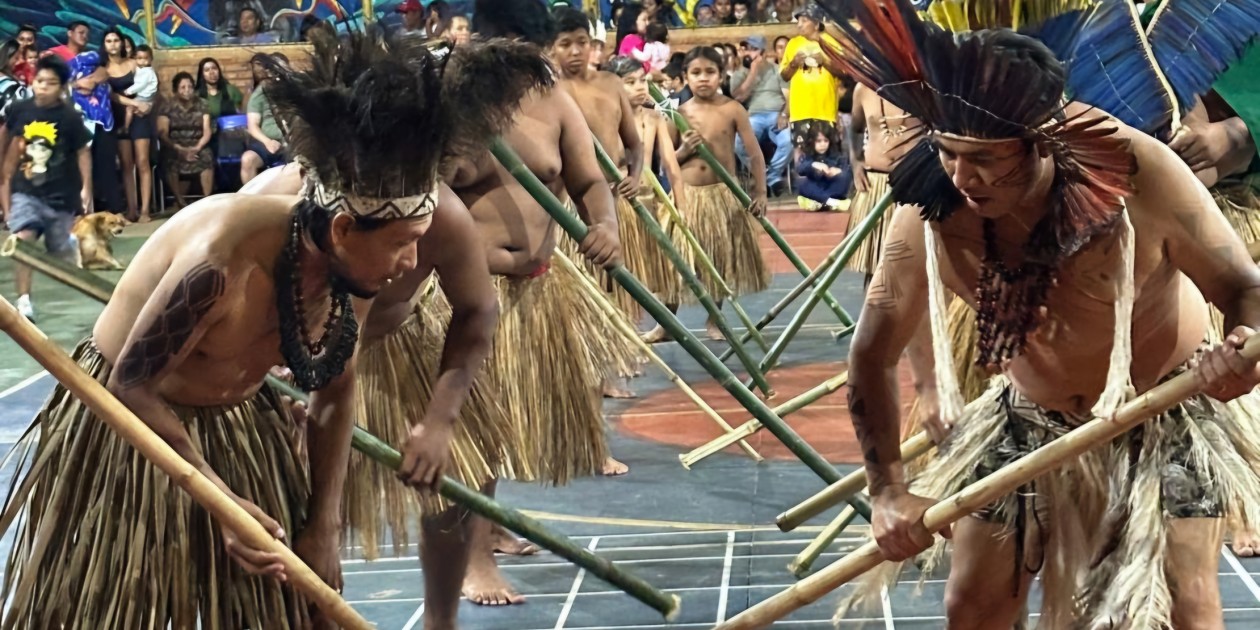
375	122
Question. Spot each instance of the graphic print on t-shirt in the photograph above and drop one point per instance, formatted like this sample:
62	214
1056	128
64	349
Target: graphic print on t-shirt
41	140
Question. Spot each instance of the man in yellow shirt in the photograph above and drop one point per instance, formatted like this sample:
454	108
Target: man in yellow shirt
813	104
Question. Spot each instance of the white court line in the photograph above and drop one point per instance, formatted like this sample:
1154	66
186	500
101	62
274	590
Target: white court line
547	565
23	385
573	592
1242	572
726	577
607	549
887	605
415	617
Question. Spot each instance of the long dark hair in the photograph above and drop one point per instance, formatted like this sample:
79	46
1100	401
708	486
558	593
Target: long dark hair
7	50
625	23
122	45
202	89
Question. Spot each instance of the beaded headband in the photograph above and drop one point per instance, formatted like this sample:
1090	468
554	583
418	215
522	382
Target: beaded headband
382	208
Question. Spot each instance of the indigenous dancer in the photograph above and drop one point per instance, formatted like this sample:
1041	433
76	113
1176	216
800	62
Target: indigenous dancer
1046	218
417	370
608	113
878	136
553	348
221	293
722	226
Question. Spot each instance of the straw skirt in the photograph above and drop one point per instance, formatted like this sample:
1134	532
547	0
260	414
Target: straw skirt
868	252
729	234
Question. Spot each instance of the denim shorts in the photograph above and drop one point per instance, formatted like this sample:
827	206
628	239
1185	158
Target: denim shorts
30	213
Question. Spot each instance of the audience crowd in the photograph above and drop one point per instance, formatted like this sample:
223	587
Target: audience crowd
85	128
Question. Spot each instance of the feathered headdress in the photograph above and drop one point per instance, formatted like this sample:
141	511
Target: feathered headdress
375	122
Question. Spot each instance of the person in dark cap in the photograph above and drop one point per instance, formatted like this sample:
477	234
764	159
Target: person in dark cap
760	88
812	78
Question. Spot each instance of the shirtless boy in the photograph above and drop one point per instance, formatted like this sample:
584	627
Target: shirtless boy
726	230
1046	273
234	285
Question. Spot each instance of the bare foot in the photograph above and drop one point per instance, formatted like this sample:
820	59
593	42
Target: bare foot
503	541
144	218
614	468
613	389
656	335
485	585
712	332
1246	544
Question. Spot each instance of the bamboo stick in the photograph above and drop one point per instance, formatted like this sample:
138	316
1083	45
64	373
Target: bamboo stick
705	154
751	427
750	330
532	530
154	449
82	280
796	292
771	359
852	483
1088	436
575	229
630	333
802	563
372	447
688	275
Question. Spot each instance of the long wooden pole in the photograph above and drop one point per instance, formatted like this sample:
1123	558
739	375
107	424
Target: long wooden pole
751	331
804	561
1087	437
841	490
533	531
688	275
705	154
575	229
796	292
138	434
610	311
101	289
868	223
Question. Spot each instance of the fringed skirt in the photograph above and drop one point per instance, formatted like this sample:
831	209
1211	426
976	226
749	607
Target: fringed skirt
728	233
109	541
1108	510
552	352
867	254
1240	203
640	253
396	375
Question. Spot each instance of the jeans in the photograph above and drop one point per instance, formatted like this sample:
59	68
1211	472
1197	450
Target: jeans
763	127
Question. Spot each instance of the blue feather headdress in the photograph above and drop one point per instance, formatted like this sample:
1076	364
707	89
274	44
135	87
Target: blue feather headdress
1195	41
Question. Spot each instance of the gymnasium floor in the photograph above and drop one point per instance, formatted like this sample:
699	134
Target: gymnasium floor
706	534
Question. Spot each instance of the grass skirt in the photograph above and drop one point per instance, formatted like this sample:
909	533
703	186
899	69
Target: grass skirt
552	352
640	253
1105	511
867	254
728	233
109	541
1240	204
396	374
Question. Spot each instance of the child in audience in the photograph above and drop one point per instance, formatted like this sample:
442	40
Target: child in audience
146	83
825	175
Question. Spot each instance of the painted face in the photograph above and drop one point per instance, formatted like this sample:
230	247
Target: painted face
368	259
994	176
703	77
572	51
210	71
635	84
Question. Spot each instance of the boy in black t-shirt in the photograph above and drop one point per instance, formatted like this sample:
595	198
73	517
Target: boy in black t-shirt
49	169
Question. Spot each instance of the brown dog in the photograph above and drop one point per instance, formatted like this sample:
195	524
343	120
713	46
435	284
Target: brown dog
94	233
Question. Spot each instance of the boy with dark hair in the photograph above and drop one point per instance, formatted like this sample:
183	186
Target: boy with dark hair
48	169
76	41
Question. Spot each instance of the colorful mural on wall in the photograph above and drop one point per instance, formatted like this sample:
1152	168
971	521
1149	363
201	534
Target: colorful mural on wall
50	18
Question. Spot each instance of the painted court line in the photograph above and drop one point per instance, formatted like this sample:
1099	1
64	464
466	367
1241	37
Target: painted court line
887	605
1242	572
415	617
726	577
26	382
573	592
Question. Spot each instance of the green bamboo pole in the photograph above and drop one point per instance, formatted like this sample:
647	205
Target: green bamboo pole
688	275
705	154
368	444
868	223
750	330
796	292
611	311
575	229
804	561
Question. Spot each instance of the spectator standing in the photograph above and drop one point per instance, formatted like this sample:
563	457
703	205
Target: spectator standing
412	13
89	88
26	37
221	98
133	143
24	70
48	167
780	47
723	11
757	84
458	30
265	147
705	15
655	53
12	91
813	83
631	30
76	41
184	127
